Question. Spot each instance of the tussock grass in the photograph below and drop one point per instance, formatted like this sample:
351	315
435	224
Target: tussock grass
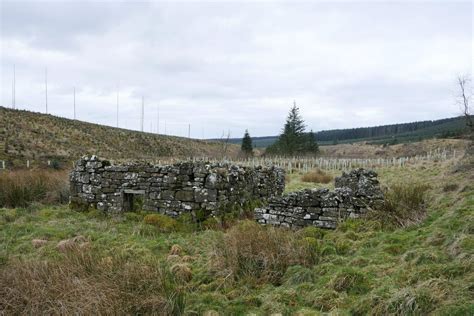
351	281
85	283
404	205
162	222
251	251
294	181
316	176
298	274
22	187
450	187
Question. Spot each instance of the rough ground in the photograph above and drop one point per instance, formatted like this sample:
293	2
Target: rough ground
364	150
55	261
35	136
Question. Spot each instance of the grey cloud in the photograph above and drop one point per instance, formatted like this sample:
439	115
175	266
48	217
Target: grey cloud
59	25
222	66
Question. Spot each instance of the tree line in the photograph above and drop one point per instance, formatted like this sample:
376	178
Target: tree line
377	131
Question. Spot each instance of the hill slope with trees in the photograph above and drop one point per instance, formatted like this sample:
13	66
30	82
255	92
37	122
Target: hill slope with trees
383	134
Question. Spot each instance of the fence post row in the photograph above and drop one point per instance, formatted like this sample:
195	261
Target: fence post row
306	164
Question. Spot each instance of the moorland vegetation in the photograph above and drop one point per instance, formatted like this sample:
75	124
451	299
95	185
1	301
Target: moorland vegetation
414	257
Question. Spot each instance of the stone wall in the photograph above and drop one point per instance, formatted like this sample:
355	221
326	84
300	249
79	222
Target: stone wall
173	189
355	192
187	187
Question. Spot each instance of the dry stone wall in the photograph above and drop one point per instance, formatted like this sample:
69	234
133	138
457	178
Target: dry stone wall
355	193
187	187
172	189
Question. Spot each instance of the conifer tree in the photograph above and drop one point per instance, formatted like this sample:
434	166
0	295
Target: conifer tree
311	145
247	147
290	139
293	139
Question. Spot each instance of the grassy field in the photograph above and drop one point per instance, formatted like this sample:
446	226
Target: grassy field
57	261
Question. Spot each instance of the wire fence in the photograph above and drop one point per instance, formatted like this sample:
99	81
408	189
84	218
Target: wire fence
305	164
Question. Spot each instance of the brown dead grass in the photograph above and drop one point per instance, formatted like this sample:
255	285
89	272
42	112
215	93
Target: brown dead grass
259	254
316	176
22	187
85	284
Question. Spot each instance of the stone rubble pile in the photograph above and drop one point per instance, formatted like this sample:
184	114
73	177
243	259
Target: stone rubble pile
355	193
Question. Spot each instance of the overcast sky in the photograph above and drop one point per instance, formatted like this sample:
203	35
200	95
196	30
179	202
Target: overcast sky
237	65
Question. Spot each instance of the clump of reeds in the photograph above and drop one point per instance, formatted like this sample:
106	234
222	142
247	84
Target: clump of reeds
22	187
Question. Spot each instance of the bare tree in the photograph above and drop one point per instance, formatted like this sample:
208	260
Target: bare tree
465	96
225	143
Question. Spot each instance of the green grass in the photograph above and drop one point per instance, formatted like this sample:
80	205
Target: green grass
360	268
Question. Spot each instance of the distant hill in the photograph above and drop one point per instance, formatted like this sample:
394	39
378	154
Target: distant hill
41	137
384	134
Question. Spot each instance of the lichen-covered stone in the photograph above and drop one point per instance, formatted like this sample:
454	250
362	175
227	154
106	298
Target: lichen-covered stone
184	187
188	187
355	193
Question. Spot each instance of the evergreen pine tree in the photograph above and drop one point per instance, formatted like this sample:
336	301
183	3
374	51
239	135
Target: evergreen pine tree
247	147
311	143
293	139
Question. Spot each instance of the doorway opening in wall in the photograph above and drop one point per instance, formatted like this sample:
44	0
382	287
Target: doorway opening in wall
133	200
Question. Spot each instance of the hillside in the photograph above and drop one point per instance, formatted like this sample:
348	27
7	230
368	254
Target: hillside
366	150
40	137
384	134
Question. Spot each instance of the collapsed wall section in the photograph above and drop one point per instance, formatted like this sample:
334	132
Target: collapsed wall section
356	192
183	187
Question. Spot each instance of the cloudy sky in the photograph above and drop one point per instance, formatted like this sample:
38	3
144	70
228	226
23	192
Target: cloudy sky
231	66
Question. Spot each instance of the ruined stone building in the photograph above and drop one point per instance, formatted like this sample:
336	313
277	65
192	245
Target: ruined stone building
187	187
173	189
